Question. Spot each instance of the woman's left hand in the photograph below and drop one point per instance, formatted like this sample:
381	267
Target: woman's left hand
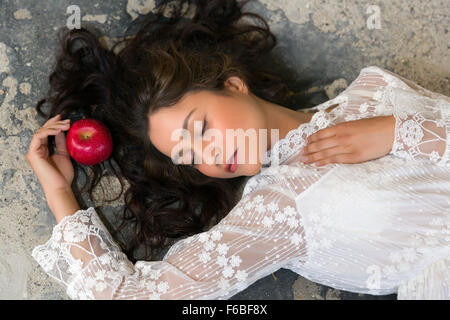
351	142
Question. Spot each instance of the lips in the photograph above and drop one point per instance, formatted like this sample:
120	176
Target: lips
232	163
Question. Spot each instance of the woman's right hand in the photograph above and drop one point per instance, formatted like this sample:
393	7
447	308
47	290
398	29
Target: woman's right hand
55	172
353	141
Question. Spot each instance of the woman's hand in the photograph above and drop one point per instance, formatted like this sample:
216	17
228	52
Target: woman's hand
351	142
55	172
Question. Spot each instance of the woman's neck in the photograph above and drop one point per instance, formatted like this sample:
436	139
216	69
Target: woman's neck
282	119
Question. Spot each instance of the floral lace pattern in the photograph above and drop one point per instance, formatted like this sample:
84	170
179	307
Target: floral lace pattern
259	236
295	139
378	227
385	232
422	117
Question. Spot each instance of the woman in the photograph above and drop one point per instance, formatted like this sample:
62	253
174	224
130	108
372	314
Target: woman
372	218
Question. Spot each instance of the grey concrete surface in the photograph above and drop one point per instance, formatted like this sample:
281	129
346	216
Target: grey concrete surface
322	46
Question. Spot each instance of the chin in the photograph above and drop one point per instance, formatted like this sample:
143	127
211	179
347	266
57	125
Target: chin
243	170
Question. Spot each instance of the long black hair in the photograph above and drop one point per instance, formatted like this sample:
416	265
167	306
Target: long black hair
168	56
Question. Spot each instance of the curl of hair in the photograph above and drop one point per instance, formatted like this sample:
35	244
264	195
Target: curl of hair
170	55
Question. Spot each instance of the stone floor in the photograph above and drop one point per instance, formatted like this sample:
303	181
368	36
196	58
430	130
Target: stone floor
322	46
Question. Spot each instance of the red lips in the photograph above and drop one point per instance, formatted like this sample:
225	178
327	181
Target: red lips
232	163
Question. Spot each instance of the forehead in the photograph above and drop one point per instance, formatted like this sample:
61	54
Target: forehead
162	124
166	120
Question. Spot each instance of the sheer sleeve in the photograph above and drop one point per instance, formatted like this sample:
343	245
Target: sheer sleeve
249	243
422	117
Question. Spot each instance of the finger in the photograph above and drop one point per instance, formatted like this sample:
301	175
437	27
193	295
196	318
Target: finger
326	153
40	138
60	141
320	145
53	123
60	125
339	158
322	134
53	120
59	137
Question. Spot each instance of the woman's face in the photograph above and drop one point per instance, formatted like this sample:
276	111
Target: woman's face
239	110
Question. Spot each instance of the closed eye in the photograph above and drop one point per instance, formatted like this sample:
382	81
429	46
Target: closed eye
204	127
203	132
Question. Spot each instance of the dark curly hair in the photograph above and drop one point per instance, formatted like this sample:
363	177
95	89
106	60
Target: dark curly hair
168	56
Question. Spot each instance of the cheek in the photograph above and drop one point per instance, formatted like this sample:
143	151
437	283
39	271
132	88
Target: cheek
246	123
211	171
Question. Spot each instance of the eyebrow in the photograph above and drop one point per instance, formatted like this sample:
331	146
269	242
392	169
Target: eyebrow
186	121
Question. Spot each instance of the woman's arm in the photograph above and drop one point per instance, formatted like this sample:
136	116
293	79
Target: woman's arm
386	115
353	141
423	135
55	173
260	235
62	203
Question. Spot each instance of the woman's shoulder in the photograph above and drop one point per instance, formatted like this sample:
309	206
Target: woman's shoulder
392	79
372	68
379	70
369	71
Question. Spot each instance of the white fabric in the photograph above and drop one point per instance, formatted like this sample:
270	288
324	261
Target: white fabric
378	227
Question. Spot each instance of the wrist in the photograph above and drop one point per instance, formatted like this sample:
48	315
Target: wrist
62	203
391	127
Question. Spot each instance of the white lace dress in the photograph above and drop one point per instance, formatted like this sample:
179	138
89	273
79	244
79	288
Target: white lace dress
378	227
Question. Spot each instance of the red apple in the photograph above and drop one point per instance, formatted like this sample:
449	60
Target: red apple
89	142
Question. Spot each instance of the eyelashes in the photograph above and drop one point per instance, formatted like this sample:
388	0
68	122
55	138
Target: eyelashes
203	132
204	127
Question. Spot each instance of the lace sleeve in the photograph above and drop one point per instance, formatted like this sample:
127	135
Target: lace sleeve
248	244
422	117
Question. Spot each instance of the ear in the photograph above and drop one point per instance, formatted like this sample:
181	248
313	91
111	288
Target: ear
236	84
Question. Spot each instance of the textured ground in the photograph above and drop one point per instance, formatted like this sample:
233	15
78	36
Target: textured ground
322	46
